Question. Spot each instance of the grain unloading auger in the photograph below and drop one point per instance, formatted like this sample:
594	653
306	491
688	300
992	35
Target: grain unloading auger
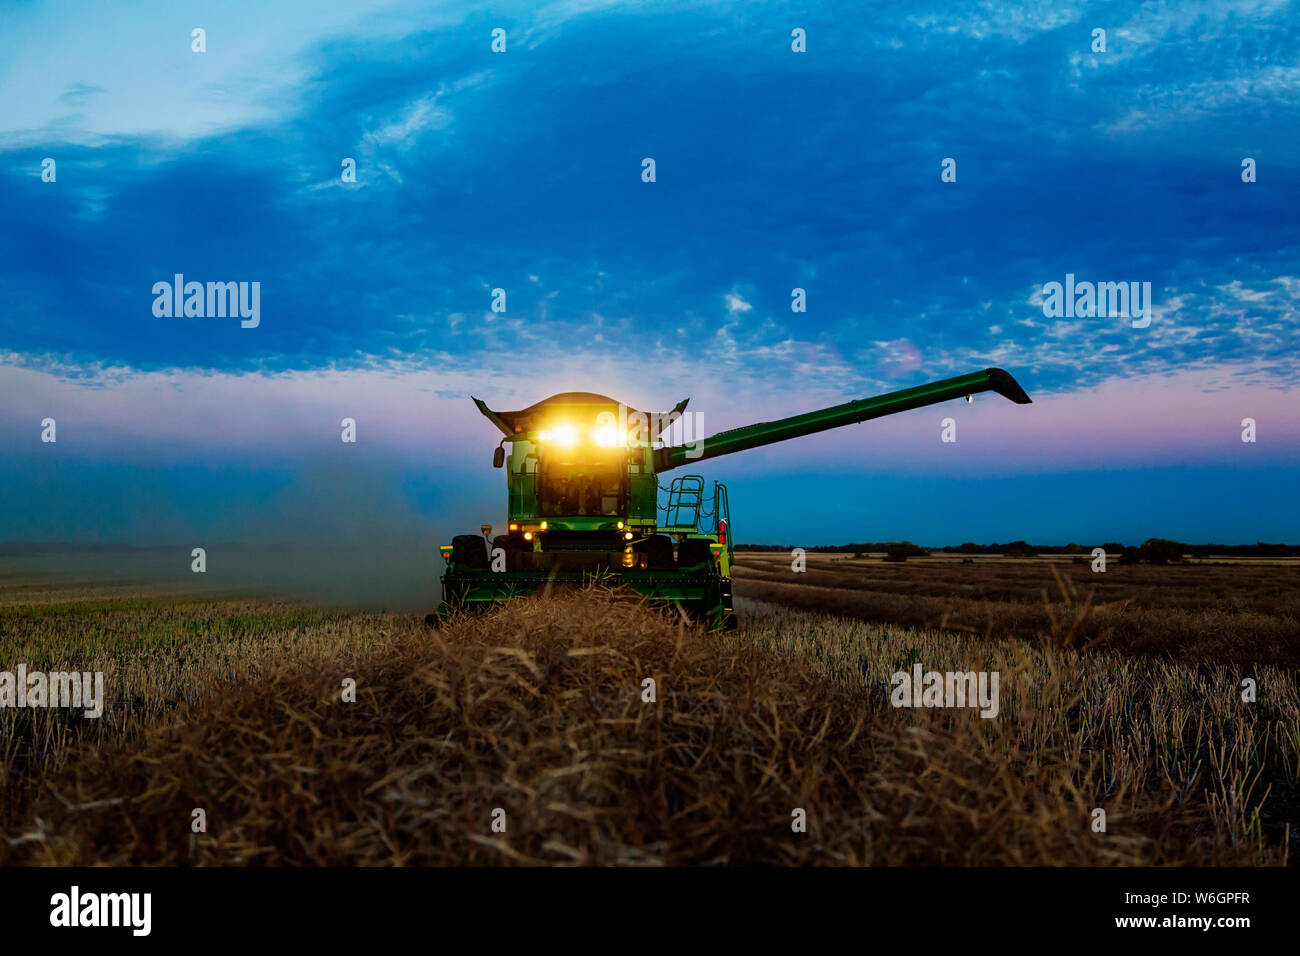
584	498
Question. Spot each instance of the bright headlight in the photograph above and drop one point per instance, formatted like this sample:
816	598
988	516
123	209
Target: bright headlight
560	434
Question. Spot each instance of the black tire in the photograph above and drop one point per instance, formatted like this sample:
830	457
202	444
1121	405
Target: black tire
694	551
658	549
470	551
510	545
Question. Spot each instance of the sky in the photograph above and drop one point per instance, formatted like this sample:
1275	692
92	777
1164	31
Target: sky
522	170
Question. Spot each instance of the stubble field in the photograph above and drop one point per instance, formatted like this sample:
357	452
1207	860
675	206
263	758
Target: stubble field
1223	610
536	718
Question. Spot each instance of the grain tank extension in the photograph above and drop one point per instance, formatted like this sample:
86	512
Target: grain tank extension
585	501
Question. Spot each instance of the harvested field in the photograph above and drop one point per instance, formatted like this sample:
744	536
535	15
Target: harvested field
1242	612
538	711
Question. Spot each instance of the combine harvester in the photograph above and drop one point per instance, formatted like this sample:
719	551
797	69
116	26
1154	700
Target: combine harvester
584	499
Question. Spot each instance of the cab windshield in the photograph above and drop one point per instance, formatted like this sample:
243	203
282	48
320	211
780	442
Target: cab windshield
572	489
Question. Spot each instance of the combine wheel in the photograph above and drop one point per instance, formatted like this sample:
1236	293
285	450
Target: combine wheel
512	546
470	551
693	551
658	549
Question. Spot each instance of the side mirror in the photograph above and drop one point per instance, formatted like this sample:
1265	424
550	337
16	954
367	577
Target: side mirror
498	456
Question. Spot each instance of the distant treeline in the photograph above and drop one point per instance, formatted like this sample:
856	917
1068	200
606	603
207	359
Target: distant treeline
1258	550
21	548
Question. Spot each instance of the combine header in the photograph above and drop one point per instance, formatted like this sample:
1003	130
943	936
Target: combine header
584	498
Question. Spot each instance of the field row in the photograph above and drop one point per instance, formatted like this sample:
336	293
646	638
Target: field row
1245	614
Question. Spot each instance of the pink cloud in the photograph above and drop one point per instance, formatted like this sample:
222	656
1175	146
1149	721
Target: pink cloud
414	415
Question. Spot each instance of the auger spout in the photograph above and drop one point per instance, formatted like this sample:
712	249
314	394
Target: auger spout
849	413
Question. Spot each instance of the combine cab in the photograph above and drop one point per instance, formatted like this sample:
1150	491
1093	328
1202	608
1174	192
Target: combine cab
585	499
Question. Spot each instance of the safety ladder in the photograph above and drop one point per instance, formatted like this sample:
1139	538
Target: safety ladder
685	496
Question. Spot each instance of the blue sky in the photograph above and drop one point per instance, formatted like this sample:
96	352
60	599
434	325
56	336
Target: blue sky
522	170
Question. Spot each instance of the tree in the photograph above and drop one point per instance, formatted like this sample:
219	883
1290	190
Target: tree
1162	551
1019	549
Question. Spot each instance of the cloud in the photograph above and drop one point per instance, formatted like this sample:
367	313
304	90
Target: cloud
78	94
736	305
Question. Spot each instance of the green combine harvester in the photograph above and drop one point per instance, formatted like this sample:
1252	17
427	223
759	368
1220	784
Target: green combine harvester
584	499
